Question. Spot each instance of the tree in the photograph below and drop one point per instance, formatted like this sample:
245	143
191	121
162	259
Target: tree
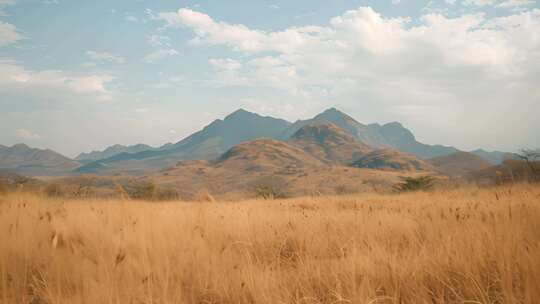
532	158
409	184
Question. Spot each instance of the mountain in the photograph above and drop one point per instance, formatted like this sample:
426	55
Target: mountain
267	154
206	144
328	143
390	159
268	163
111	151
459	164
391	135
494	157
30	161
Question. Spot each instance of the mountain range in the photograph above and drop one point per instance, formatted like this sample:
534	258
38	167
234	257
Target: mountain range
331	137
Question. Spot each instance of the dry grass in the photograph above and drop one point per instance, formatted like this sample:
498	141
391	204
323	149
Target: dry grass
460	246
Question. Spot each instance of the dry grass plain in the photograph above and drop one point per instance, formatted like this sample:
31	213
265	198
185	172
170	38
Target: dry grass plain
467	245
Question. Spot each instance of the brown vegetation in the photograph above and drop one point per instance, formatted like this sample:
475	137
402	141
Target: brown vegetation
455	246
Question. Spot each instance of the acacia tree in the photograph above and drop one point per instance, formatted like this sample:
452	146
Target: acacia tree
531	157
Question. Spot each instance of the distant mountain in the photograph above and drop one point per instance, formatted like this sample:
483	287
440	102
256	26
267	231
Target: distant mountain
267	154
390	159
268	163
30	161
459	163
391	135
111	151
209	143
494	157
328	143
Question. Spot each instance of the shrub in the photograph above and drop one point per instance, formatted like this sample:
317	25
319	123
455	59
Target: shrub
144	190
270	187
54	190
410	184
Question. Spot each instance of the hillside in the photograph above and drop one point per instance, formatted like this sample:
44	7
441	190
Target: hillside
493	157
328	143
389	159
207	144
459	164
112	151
391	135
268	162
23	159
510	171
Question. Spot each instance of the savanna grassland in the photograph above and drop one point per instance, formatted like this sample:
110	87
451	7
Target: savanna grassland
467	245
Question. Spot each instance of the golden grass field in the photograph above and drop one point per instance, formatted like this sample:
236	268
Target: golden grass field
467	245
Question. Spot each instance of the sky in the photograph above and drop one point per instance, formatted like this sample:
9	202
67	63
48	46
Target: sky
77	76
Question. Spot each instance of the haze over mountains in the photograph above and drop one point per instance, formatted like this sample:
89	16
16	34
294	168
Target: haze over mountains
331	137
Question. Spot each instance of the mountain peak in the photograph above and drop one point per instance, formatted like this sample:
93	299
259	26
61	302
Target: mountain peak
337	117
240	113
329	143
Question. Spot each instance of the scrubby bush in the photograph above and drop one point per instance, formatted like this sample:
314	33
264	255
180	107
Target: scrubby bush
54	190
144	190
409	184
270	187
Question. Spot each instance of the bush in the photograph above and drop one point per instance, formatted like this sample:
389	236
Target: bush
270	187
410	184
54	190
143	190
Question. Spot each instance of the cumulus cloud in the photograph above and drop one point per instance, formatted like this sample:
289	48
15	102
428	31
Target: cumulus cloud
471	66
105	57
15	80
8	34
160	54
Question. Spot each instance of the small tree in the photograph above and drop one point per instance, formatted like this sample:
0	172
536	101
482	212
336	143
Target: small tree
270	187
410	184
531	157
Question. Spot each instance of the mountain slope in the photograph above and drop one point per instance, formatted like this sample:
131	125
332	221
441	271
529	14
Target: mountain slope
459	164
268	162
25	160
390	159
207	144
328	143
111	151
391	135
494	157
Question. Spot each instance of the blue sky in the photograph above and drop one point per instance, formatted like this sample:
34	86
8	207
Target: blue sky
81	75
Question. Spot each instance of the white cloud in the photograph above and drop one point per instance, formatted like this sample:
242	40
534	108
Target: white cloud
479	2
499	3
226	64
158	40
105	57
516	3
25	134
467	67
160	54
46	84
8	34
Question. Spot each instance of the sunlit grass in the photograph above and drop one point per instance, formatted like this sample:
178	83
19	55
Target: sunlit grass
458	246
